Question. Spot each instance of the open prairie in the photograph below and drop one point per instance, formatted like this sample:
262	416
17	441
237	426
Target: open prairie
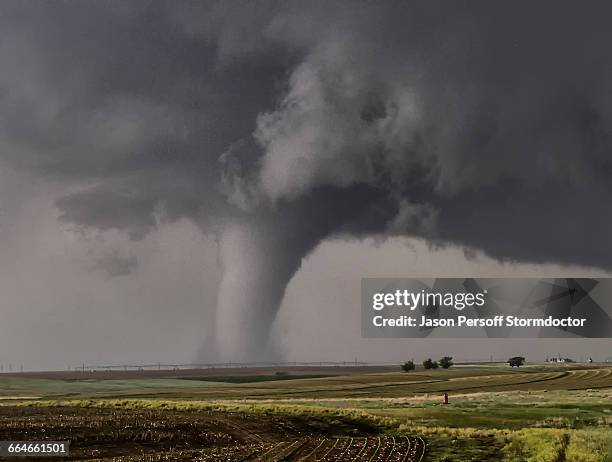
536	413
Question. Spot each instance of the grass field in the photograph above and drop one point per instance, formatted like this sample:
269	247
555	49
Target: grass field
536	413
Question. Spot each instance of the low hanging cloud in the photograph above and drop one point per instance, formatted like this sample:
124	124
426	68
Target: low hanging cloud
116	265
277	126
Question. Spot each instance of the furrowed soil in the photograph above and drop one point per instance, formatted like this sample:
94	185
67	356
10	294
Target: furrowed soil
164	434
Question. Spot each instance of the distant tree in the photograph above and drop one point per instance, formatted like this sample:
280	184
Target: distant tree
408	366
446	362
517	361
429	364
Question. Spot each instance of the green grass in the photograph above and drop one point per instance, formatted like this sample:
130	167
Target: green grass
14	388
511	410
253	378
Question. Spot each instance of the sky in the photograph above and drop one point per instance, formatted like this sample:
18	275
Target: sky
201	181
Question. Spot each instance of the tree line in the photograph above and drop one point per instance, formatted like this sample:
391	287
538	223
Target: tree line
447	361
444	362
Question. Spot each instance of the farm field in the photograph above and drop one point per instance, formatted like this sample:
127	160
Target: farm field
460	380
136	433
536	413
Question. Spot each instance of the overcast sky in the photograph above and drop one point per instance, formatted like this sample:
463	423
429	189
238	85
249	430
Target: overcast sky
170	171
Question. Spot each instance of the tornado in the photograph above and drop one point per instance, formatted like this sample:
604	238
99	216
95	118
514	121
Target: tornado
256	268
260	253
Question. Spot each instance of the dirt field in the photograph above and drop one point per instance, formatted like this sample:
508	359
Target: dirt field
144	434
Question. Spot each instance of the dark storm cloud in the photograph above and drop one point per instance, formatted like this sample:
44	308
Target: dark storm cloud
124	95
485	124
432	102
